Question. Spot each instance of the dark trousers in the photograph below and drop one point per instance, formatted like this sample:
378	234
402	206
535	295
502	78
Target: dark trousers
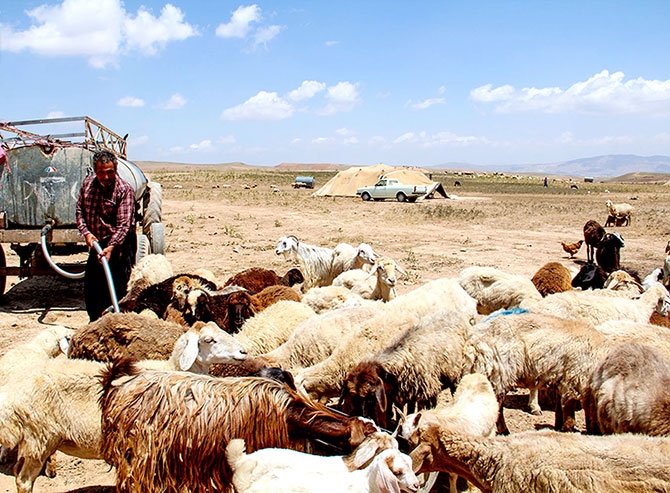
96	287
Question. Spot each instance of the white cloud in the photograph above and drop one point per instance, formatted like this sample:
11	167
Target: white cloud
422	105
603	94
138	141
262	106
323	140
266	34
426	139
341	97
332	43
147	34
343	131
227	139
100	31
204	145
176	101
240	22
55	114
130	102
307	90
350	141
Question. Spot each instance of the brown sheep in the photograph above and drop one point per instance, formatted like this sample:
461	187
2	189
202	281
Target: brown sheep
593	234
125	334
188	422
158	297
552	277
254	279
230	311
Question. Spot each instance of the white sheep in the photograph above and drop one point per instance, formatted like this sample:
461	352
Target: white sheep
495	289
55	407
622	210
535	350
473	412
411	370
379	284
315	261
48	343
620	280
317	337
320	265
549	461
325	379
656	275
348	257
285	470
273	326
596	307
325	298
150	269
629	391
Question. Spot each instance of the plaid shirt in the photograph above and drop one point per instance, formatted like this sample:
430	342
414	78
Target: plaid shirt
107	215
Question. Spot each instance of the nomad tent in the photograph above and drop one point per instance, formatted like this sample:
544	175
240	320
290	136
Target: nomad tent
345	183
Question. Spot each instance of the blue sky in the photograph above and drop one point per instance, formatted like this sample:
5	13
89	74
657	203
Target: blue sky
355	82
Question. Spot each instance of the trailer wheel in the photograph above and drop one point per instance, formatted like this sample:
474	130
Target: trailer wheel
152	207
157	238
3	278
143	247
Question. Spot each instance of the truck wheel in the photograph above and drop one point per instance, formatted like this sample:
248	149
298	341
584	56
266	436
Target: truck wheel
143	247
401	197
3	264
365	196
152	207
157	238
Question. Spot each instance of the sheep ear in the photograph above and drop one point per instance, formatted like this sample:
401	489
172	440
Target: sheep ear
190	353
400	269
365	452
386	480
419	455
401	419
380	394
64	345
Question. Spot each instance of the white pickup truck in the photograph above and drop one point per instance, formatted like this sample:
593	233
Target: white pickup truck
390	188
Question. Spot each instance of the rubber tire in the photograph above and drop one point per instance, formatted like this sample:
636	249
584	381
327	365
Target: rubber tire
3	263
157	238
401	197
366	196
143	247
153	207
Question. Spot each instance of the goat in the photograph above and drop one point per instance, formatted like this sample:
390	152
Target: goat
138	422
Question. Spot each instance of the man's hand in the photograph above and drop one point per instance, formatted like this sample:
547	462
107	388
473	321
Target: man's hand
90	239
107	253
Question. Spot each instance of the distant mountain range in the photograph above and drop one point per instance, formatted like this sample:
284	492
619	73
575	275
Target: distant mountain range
613	167
599	166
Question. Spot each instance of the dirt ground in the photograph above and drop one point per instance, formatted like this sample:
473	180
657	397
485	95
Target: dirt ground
229	220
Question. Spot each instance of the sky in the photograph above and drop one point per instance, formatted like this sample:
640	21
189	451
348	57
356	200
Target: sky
418	83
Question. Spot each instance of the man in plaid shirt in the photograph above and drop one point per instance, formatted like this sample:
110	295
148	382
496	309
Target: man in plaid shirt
106	214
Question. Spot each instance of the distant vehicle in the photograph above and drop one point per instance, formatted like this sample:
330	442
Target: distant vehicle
304	181
390	188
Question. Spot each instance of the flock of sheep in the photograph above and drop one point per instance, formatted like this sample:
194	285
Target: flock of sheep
290	383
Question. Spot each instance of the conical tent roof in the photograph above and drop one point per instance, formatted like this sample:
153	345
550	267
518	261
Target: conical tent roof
345	183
